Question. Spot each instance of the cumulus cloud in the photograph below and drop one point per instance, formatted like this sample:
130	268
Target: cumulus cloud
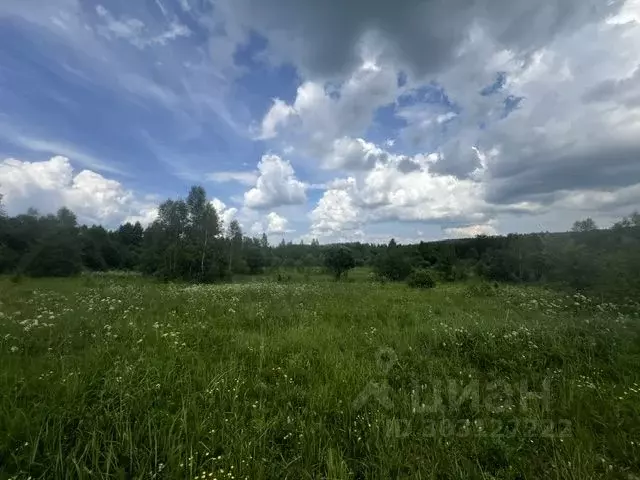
321	114
51	184
277	185
274	225
277	115
398	189
335	212
354	154
508	98
519	107
225	214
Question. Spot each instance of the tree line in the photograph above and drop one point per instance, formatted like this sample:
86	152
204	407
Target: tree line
188	242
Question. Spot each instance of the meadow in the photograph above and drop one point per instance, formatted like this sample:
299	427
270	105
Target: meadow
121	377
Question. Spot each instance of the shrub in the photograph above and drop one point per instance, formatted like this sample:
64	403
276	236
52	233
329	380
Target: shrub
482	289
421	279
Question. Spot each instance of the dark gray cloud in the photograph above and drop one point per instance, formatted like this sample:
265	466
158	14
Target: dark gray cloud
625	91
323	37
407	165
536	178
457	159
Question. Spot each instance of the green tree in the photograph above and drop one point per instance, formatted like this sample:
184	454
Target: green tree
586	225
170	235
57	253
255	259
339	260
184	241
204	227
237	263
392	263
632	220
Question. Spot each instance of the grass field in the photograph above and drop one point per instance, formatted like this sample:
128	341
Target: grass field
107	377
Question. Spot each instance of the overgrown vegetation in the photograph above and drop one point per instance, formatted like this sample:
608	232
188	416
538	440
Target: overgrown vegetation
421	278
465	371
188	242
122	377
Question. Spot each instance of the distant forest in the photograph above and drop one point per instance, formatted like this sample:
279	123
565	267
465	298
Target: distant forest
187	242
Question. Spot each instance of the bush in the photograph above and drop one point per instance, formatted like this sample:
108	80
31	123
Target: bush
482	289
421	279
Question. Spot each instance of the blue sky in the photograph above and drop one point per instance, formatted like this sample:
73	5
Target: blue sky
324	120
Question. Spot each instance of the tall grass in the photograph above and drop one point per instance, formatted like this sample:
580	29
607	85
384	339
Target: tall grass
122	378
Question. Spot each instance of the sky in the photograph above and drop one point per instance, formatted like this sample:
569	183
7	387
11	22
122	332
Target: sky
341	121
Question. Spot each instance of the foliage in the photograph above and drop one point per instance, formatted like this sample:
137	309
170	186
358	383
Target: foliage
255	259
339	260
187	242
421	278
586	225
54	248
392	264
57	255
482	288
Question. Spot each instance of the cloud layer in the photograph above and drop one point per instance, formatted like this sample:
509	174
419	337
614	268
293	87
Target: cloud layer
323	118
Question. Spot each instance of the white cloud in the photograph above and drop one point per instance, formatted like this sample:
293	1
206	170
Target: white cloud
571	74
336	212
397	189
277	115
226	214
51	184
322	114
244	178
276	185
354	154
470	231
175	30
572	144
135	31
275	225
580	105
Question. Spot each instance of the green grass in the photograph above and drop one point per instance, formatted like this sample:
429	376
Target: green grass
123	378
